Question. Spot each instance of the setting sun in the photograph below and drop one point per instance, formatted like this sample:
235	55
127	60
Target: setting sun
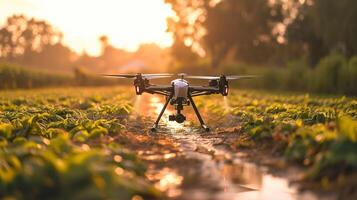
126	23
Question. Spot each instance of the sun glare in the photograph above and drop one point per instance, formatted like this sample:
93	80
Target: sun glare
127	23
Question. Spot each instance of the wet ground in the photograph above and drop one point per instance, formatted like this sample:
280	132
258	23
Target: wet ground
187	163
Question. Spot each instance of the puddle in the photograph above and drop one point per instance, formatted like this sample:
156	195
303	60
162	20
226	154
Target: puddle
219	175
166	180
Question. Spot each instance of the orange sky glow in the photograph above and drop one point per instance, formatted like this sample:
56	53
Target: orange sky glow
127	23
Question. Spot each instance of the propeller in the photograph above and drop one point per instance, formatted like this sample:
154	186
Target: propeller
133	76
203	77
241	77
233	77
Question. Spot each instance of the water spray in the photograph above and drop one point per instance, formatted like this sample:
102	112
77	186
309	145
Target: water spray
137	104
227	107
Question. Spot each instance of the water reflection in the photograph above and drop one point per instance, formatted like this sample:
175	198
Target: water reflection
157	104
156	157
166	180
247	175
256	184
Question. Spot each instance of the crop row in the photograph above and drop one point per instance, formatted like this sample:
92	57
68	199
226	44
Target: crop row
63	144
317	132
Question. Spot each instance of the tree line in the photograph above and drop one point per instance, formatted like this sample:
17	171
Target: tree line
32	54
35	43
29	41
300	45
262	31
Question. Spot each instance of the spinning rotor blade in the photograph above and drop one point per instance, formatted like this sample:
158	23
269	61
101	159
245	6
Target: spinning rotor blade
133	76
218	77
240	77
162	74
203	77
156	76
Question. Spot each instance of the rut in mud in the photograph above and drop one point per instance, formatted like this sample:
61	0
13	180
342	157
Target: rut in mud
188	163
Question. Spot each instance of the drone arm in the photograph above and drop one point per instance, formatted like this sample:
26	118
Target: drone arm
164	93
159	88
203	89
201	94
159	92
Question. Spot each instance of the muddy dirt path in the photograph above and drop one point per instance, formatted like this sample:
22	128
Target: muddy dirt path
187	163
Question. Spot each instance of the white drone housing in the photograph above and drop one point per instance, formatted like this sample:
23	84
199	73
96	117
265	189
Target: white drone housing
180	88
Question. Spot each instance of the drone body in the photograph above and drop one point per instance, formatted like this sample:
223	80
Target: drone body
180	93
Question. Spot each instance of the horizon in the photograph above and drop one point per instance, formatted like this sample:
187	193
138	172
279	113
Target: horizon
82	32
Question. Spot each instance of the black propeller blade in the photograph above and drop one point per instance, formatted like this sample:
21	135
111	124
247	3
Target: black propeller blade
119	75
145	76
182	75
203	77
233	77
241	77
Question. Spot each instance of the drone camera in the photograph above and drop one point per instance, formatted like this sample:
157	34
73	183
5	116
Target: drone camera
179	118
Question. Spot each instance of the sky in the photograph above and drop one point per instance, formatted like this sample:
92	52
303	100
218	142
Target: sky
127	23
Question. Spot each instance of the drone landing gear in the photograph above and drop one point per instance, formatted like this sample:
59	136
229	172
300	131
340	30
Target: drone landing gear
203	125
154	128
156	125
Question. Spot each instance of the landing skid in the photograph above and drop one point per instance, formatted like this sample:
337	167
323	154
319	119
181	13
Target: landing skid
205	128
154	129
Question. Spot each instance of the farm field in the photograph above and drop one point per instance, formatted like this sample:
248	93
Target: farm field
95	143
65	143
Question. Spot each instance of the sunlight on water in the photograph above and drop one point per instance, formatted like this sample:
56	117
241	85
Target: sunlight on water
243	174
167	180
154	157
158	104
255	183
154	99
174	126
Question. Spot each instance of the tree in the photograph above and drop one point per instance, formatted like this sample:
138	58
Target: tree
324	26
182	53
21	36
215	28
301	34
335	23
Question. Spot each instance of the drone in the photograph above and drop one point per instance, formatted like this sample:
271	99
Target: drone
179	93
